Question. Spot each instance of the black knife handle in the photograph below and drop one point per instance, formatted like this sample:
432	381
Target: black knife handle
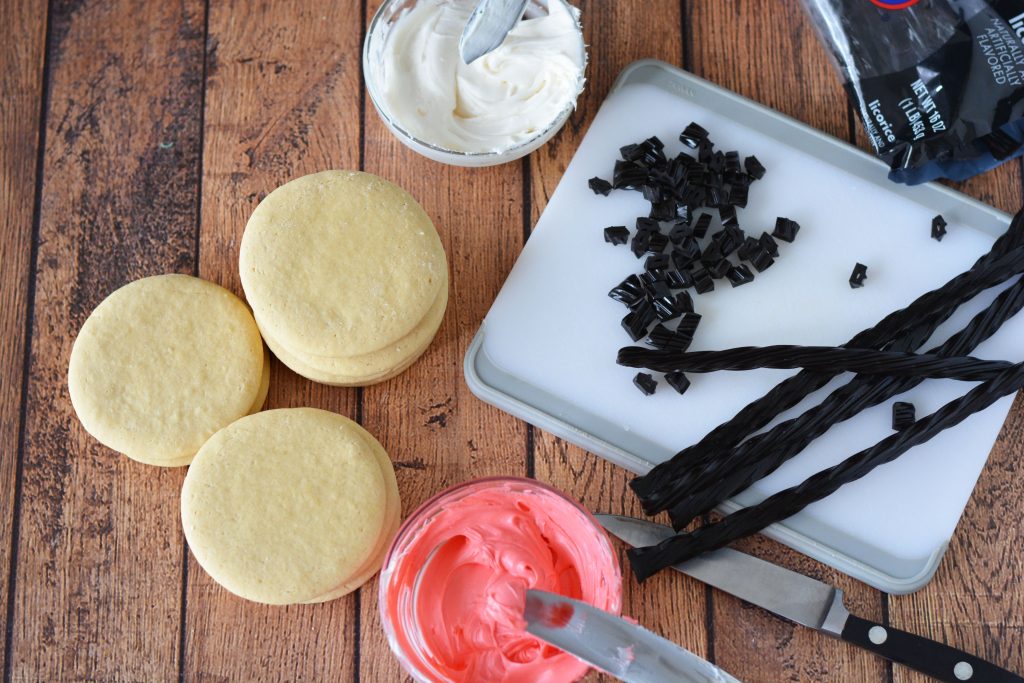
939	661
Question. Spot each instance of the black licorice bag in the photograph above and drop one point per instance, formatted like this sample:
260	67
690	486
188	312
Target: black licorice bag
939	84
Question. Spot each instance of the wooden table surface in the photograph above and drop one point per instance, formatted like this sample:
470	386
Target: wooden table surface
138	137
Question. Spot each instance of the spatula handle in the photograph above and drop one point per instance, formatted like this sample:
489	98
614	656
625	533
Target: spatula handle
935	659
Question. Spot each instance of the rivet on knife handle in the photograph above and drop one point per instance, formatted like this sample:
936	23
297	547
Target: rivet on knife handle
935	659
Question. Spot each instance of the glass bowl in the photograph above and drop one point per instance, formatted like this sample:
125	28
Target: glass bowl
373	48
407	590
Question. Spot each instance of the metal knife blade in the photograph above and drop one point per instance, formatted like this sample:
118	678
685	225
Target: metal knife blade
796	597
614	645
487	27
812	603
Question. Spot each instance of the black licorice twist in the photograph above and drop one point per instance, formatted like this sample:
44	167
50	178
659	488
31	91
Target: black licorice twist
763	453
817	358
656	490
647	561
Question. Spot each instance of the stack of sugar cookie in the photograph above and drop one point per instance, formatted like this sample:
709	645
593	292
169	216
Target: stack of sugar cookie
346	277
163	363
290	506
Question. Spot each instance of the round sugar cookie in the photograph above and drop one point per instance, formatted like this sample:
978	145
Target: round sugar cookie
373	367
163	363
392	520
288	505
340	264
264	390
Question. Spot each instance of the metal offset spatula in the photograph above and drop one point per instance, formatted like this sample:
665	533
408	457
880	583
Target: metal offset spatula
812	603
629	652
487	27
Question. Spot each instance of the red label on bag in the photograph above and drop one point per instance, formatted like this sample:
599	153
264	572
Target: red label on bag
894	4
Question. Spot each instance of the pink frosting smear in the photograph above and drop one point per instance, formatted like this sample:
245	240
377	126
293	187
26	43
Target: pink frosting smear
454	584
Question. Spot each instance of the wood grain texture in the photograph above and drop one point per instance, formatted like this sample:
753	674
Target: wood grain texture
437	433
282	100
617	34
769	52
975	602
98	579
21	81
132	157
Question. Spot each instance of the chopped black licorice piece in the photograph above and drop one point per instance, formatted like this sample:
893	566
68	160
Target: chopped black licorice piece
638	320
705	150
700	228
738	195
600	186
769	244
645	224
732	162
717	162
654	142
785	229
616	234
684	302
679	279
665	339
654	284
665	308
664	210
678	381
761	260
688	324
713	196
702	281
629	291
721	269
939	228
680	231
739	275
683	214
860	273
902	415
645	383
656	243
729	239
711	253
727	213
628	175
690	249
660	337
652	193
755	169
693	135
630	152
749	249
656	262
639	243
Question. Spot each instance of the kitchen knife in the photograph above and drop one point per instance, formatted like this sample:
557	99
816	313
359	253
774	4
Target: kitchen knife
487	27
629	652
812	603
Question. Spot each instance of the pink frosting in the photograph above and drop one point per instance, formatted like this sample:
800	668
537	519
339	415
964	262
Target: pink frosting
455	583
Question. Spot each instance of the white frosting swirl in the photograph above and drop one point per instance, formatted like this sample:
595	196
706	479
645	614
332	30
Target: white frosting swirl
500	100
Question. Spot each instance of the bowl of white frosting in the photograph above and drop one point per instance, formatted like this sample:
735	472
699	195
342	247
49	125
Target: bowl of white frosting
499	108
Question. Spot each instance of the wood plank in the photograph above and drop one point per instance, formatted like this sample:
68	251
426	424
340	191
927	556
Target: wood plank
21	81
437	433
282	100
98	580
770	53
975	602
617	34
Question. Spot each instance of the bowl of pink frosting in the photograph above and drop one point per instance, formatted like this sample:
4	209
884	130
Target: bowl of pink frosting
454	582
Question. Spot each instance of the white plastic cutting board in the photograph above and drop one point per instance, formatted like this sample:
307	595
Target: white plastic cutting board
554	328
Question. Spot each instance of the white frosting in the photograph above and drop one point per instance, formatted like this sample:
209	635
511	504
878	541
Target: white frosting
500	100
